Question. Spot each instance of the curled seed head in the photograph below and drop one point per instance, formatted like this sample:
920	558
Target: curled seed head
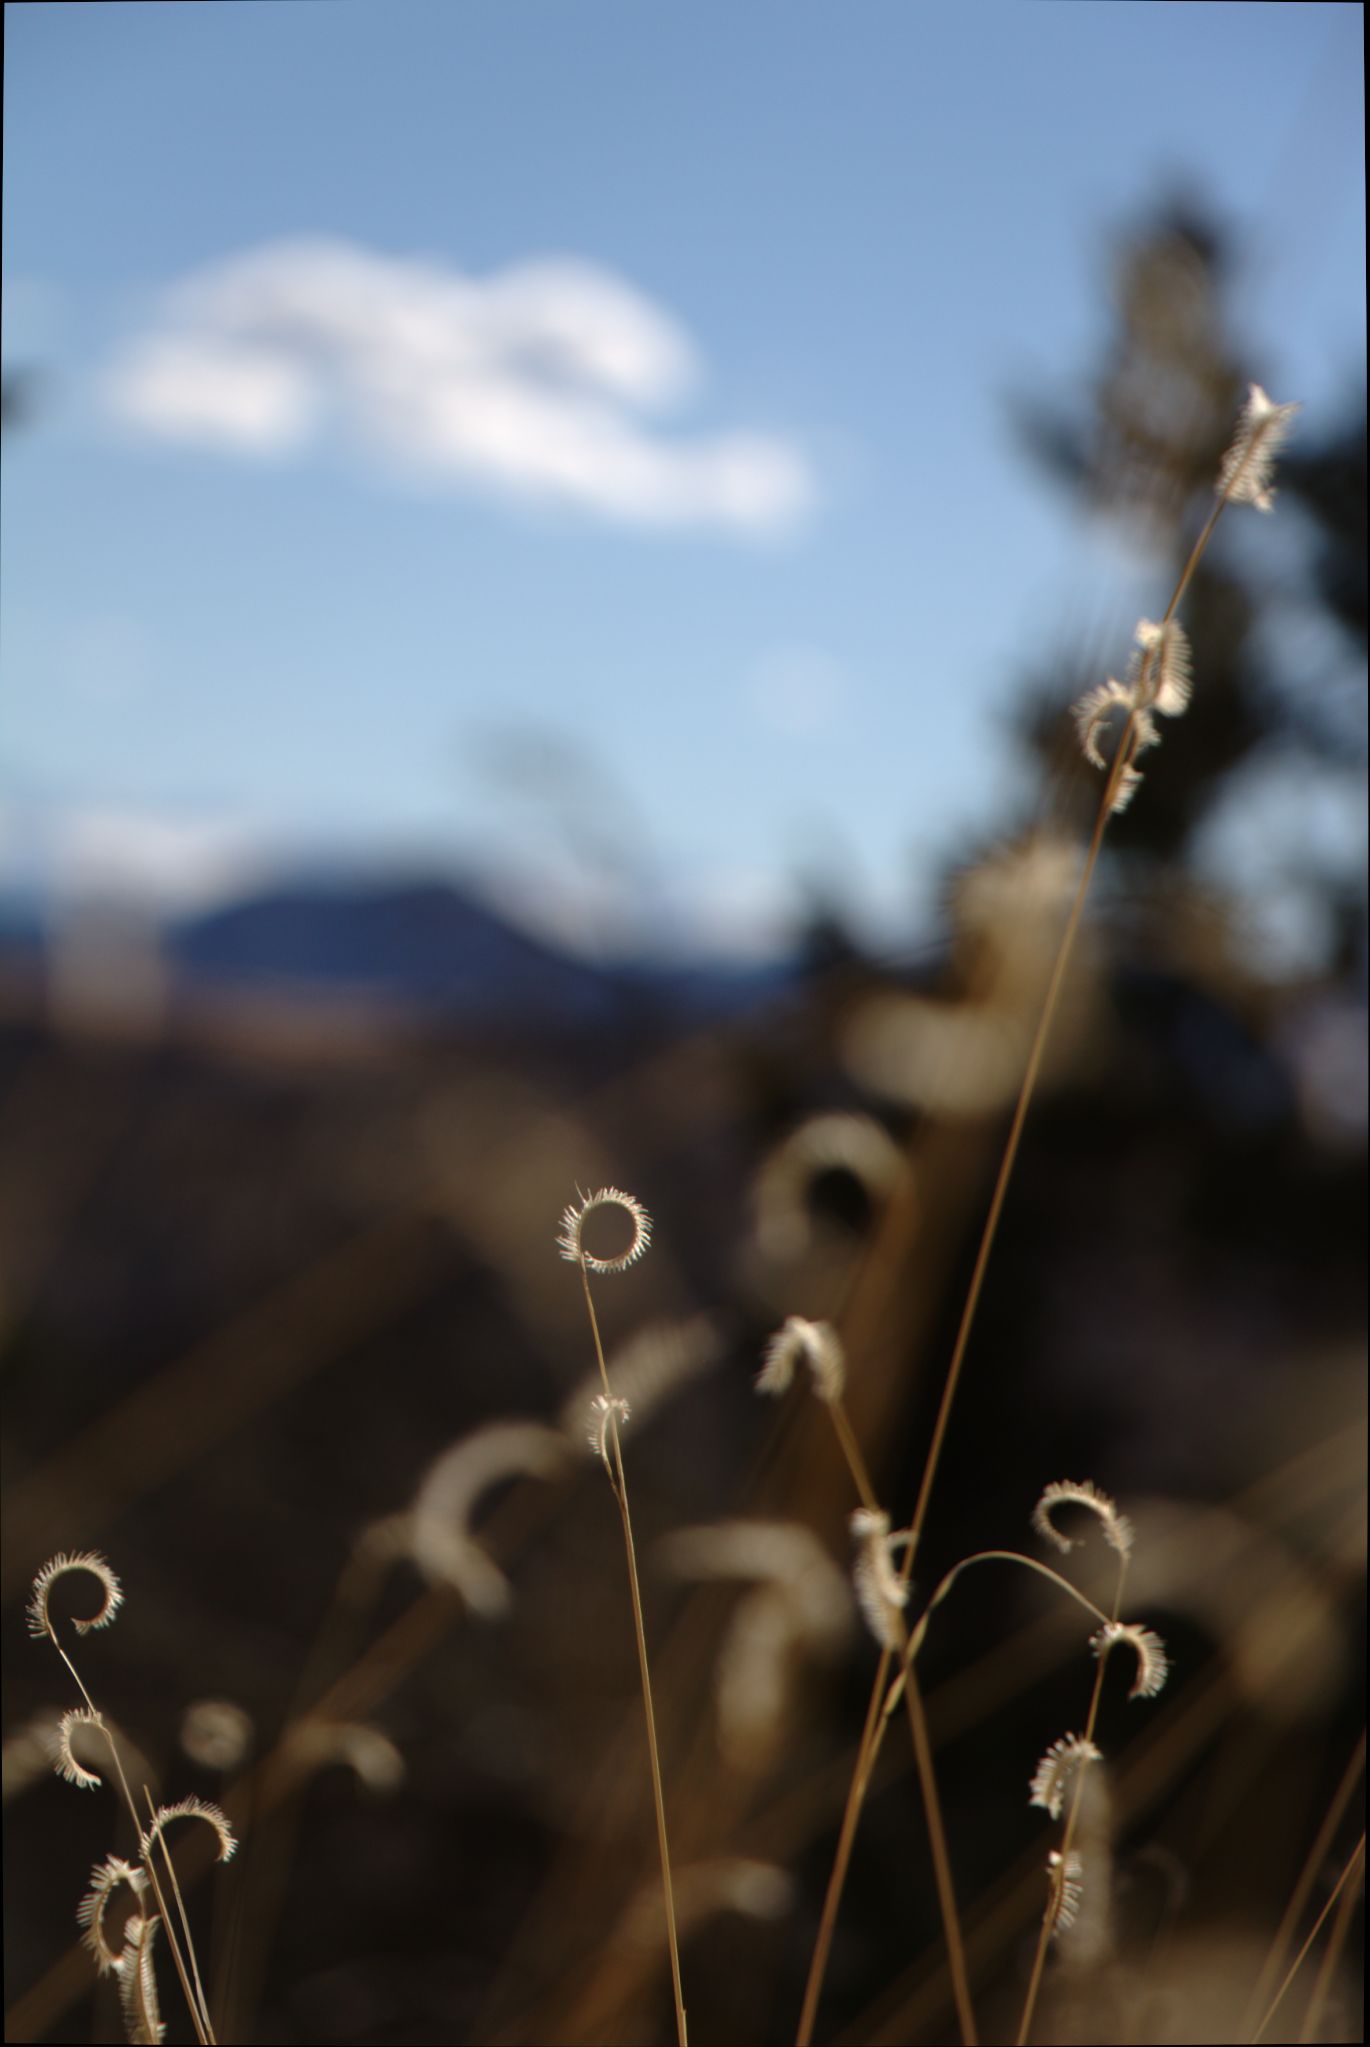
1158	680
1249	464
881	1593
137	1978
64	1756
1056	1770
605	1409
800	1607
815	1344
1115	1527
834	1141
190	1809
105	1880
1092	713
40	1622
571	1243
1164	680
436	1532
1129	782
1065	1887
783	1555
1153	1665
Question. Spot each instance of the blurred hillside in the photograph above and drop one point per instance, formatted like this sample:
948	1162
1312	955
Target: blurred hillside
257	1280
403	955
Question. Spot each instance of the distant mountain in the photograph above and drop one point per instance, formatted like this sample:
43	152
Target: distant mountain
424	944
430	945
21	929
417	944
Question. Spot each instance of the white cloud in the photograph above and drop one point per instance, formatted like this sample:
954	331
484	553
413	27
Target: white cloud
172	863
539	382
195	387
745	914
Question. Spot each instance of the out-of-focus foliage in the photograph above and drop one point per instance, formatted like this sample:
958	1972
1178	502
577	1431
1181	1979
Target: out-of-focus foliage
1143	451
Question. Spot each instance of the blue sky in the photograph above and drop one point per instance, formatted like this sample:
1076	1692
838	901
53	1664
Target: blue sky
632	505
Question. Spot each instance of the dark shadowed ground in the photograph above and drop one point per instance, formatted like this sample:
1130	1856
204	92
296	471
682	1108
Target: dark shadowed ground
271	1254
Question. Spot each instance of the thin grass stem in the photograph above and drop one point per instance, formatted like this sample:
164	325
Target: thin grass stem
160	1833
873	1731
203	2031
922	1751
1336	1941
1298	1898
983	1556
851	1450
619	1481
1049	1917
1354	1867
872	1734
941	1860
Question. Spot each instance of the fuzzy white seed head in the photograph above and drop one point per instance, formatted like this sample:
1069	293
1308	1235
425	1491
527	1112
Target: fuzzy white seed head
604	1410
437	1531
63	1754
1092	714
1153	1665
1056	1771
1249	464
881	1593
190	1809
837	1141
1164	666
1158	680
1065	1888
570	1241
136	1976
58	1567
105	1880
1129	782
815	1344
1115	1527
799	1608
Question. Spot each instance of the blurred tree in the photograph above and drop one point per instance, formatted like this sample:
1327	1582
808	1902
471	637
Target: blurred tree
1328	479
19	391
1145	450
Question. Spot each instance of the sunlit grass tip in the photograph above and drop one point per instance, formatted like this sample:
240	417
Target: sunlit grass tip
1065	1887
40	1622
64	1756
800	1342
881	1593
1249	464
1056	1771
1153	1665
1115	1528
105	1880
571	1238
